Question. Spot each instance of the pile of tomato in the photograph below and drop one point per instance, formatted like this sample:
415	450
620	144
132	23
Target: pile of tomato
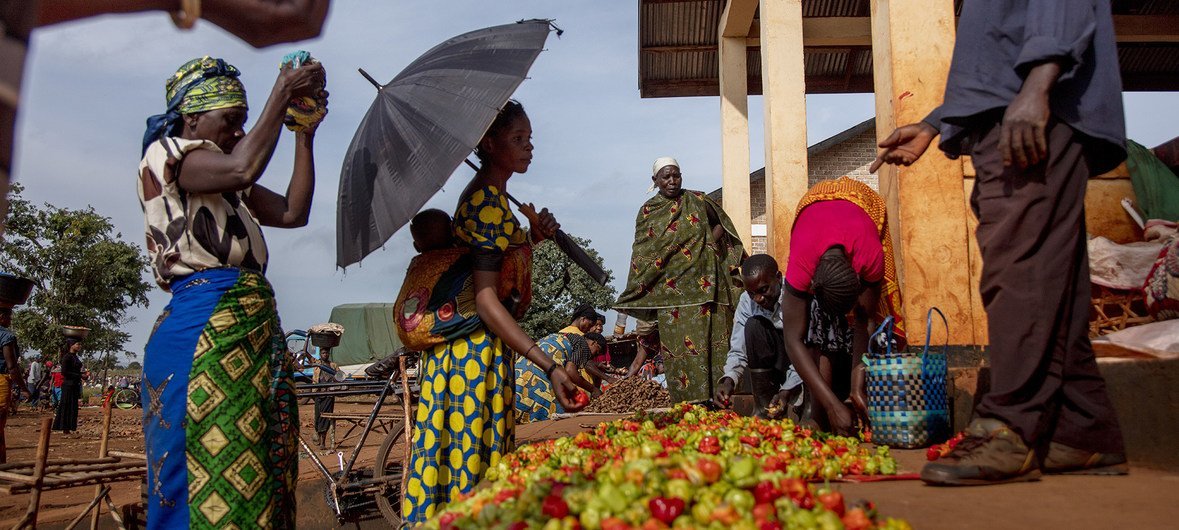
686	468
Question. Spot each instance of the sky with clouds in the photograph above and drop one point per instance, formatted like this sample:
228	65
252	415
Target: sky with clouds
89	86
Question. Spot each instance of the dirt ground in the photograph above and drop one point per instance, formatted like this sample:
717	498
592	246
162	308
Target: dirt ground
1144	499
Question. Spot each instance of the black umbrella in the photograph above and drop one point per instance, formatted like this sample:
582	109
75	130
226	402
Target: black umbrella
422	125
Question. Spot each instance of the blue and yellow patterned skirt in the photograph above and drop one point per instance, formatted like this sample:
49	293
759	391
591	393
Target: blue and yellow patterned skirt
220	415
464	421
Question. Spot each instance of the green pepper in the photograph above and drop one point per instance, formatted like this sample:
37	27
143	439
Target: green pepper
740	499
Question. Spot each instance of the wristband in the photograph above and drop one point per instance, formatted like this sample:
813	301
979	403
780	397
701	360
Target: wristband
548	372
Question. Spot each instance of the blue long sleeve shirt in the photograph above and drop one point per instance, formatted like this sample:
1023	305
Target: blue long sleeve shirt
1000	41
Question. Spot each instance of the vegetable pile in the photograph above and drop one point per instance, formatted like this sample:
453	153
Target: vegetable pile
687	468
630	395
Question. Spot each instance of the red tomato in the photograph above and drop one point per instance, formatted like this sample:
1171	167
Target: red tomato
554	506
832	500
765	492
764	512
711	470
709	445
857	519
614	523
666	509
581	399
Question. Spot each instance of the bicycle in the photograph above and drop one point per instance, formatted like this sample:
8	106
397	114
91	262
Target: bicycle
350	489
127	398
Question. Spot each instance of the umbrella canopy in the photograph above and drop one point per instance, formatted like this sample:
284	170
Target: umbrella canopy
422	125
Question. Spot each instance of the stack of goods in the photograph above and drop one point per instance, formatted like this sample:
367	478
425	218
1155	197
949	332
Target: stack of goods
631	394
687	468
304	112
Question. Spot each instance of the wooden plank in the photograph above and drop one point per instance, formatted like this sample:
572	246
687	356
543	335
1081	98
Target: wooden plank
974	262
912	47
785	119
1104	215
1147	28
734	126
737	18
857	31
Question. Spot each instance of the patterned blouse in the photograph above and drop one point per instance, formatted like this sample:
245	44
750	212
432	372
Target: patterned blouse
485	223
189	232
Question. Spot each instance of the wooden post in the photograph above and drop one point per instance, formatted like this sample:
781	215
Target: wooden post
734	115
405	397
784	94
912	44
95	504
30	518
103	447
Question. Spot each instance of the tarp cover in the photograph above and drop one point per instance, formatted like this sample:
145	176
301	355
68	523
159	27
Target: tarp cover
370	334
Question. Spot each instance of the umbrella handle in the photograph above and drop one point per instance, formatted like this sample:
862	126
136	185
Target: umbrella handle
567	245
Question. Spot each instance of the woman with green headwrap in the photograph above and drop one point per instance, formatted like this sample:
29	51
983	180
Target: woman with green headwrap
220	421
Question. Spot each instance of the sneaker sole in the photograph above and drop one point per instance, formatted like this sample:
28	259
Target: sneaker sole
940	479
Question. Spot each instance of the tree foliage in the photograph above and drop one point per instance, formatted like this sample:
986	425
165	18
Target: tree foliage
559	286
84	275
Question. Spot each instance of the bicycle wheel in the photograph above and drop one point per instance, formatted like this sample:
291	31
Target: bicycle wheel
126	399
390	463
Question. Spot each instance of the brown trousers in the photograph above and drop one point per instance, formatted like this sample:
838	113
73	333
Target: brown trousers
1035	288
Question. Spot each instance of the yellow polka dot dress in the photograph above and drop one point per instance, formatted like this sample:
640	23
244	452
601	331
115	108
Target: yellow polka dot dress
464	421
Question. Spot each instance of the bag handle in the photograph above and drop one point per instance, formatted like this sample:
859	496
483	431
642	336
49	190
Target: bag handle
929	330
885	329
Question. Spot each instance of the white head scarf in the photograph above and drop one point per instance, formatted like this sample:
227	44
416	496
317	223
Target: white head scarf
661	163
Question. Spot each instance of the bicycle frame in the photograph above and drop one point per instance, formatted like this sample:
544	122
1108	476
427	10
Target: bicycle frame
339	485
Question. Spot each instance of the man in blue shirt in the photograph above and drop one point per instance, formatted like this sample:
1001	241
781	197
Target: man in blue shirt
1034	96
757	343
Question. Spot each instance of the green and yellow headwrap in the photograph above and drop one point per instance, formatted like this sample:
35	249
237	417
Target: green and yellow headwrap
199	85
216	86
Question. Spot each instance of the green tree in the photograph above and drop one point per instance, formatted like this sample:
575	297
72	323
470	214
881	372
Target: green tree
559	286
134	365
85	276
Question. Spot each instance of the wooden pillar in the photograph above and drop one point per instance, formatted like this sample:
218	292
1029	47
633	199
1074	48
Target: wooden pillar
734	115
784	92
912	44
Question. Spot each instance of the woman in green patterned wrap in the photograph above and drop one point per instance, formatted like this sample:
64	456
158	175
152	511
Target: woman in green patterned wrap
685	254
220	421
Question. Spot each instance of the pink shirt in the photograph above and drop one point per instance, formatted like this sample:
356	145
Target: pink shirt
828	223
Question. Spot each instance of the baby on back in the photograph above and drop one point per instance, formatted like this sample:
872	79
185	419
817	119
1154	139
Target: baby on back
431	230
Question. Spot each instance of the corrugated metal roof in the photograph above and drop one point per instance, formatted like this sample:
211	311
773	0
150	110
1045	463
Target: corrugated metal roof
678	50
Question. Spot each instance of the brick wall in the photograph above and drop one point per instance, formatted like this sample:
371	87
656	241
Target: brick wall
851	157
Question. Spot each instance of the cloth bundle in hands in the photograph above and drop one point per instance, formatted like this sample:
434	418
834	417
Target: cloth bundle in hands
303	112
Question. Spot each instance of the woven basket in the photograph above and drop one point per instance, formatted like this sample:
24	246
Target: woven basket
1115	310
908	404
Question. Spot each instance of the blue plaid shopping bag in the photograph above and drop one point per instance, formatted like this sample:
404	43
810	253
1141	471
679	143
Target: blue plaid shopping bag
907	398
